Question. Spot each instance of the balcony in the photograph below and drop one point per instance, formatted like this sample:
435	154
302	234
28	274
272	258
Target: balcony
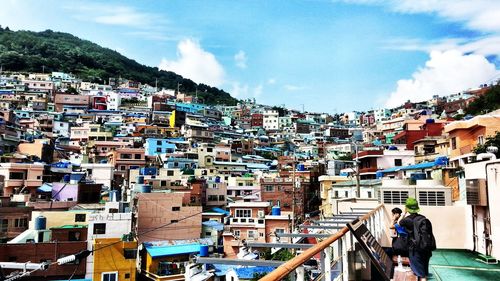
369	153
368	170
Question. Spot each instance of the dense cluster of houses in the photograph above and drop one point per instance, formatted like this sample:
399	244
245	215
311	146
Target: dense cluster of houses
145	177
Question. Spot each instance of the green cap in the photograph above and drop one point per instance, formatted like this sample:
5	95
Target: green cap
412	205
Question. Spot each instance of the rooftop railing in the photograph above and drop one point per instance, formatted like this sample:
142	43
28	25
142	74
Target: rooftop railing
334	251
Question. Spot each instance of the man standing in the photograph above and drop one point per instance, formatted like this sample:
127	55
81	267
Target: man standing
422	241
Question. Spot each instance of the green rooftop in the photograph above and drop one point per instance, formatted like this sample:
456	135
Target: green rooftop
458	265
69	226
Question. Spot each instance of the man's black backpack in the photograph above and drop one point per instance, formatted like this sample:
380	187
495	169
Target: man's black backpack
423	240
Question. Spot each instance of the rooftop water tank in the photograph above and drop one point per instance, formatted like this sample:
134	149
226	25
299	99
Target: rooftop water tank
40	223
276	211
301	167
203	250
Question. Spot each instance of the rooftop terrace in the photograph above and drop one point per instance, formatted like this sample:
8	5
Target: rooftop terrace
458	265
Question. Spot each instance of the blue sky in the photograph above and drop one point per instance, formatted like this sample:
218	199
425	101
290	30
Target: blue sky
330	56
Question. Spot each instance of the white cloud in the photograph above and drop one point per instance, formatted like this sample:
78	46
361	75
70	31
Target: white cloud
239	90
257	91
478	14
293	88
271	81
195	63
240	59
444	73
245	91
116	15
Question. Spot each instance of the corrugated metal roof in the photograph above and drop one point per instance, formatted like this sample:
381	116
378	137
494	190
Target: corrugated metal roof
163	251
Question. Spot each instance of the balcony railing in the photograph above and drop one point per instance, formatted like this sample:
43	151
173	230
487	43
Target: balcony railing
335	249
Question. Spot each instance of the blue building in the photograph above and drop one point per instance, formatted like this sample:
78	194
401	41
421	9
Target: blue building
159	146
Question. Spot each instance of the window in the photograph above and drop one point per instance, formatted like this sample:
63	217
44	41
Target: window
127	275
4	224
369	194
174	221
480	140
212	197
209	149
17	176
453	143
100	228
80	217
236	233
346	193
243	213
137	156
109	276
251	234
398	162
279	231
158	149
123	168
158	142
222	198
336	194
269	188
130	253
126	156
21	222
176	209
74	236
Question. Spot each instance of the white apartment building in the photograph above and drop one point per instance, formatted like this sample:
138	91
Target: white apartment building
271	119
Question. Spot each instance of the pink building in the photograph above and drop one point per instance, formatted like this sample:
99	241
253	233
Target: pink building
157	209
21	177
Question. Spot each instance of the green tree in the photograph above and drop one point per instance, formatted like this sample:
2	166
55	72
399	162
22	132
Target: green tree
27	51
488	102
490	141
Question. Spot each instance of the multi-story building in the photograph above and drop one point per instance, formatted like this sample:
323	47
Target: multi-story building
154	209
370	161
465	135
270	119
21	178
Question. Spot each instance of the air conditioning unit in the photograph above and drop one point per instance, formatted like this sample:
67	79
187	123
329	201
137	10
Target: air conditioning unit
476	193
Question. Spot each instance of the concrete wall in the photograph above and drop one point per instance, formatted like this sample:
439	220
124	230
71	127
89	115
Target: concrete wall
452	225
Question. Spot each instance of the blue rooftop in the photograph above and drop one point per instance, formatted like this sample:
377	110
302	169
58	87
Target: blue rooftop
172	250
214	224
220	211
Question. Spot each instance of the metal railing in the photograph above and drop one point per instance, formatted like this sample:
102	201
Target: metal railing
334	251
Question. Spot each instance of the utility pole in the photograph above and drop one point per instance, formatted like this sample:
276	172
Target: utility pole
358	188
293	193
178	85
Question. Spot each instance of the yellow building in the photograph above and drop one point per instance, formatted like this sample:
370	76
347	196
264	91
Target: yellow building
166	261
326	183
59	218
118	259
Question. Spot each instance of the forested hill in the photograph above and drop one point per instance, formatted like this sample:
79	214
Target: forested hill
29	51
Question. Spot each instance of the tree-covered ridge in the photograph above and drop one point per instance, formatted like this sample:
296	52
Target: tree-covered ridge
29	51
488	102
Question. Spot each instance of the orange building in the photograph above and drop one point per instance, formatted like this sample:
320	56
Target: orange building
465	135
